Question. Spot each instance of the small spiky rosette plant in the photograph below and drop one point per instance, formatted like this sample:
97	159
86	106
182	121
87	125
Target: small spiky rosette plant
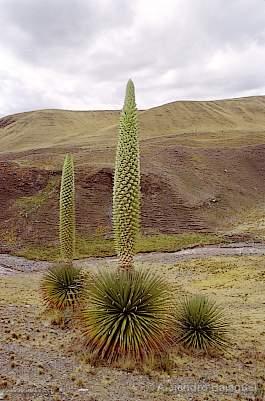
126	190
201	324
67	211
61	287
126	315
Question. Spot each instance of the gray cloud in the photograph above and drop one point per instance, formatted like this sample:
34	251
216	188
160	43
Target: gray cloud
36	29
79	55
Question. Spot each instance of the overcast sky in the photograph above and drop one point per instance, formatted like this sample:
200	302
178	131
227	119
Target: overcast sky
79	54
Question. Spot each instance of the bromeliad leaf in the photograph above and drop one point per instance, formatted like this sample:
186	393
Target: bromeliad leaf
127	313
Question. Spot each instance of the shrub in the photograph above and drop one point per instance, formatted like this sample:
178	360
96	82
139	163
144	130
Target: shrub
126	315
201	324
61	287
126	190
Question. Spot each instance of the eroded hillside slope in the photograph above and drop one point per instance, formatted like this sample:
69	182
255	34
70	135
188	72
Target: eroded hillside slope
203	168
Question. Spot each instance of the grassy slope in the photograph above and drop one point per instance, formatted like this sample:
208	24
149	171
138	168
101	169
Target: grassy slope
216	120
49	128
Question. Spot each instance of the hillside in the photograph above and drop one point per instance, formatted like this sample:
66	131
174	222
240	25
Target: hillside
217	120
203	168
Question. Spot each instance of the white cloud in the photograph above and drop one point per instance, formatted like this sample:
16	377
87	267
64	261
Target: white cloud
60	54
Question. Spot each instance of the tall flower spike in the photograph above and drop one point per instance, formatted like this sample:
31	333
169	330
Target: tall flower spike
67	211
126	191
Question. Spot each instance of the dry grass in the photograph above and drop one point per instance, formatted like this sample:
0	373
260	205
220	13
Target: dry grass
38	357
252	222
241	121
98	246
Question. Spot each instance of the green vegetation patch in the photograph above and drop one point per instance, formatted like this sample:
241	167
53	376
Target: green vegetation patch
30	204
97	246
171	242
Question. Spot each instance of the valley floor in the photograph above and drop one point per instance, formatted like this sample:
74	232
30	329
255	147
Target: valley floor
42	362
10	264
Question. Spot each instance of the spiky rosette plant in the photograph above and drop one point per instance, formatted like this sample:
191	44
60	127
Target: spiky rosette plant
61	287
67	211
127	315
201	324
126	190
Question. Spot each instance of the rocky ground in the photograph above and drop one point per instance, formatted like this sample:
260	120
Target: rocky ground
41	361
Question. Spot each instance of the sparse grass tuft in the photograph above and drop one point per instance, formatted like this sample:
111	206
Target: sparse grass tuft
201	324
61	287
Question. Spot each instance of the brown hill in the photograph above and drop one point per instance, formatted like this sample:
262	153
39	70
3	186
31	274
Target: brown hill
203	168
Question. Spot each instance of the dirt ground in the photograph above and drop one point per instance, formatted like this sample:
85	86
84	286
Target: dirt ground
40	361
202	169
184	189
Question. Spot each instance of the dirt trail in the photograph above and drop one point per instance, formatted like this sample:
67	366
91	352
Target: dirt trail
13	264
